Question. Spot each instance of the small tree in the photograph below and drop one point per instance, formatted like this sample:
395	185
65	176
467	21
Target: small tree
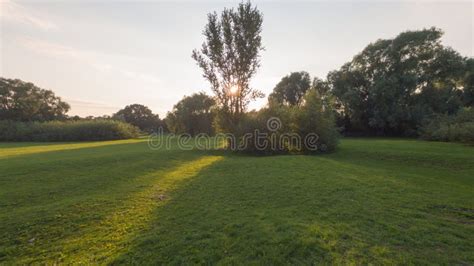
230	56
291	89
139	116
192	115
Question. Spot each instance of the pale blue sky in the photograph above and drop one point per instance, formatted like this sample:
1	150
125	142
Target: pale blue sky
102	55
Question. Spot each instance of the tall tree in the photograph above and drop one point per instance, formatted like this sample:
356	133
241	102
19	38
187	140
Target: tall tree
291	89
23	101
385	87
230	56
192	115
139	116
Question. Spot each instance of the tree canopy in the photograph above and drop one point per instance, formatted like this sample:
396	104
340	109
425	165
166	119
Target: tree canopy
192	115
23	101
291	89
394	84
139	116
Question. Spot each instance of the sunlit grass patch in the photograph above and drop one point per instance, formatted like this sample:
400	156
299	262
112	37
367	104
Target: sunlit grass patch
25	148
107	237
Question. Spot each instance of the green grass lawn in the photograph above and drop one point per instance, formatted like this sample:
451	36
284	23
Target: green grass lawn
373	200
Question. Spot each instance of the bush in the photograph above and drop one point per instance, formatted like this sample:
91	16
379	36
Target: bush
255	123
66	130
459	127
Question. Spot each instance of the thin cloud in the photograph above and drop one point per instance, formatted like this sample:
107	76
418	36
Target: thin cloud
141	76
16	13
83	103
86	108
50	48
95	60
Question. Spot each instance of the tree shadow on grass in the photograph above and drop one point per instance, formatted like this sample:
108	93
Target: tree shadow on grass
103	238
257	211
59	173
236	213
65	194
220	217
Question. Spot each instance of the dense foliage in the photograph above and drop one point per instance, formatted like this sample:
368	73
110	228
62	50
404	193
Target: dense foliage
139	116
192	115
291	89
66	130
312	123
393	85
468	83
459	127
23	101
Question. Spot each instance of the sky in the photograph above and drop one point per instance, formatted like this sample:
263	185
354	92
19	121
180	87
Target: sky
100	56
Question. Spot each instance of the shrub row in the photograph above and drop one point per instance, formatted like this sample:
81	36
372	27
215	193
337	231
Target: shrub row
66	130
459	127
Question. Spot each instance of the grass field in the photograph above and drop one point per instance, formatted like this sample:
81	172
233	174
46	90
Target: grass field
374	200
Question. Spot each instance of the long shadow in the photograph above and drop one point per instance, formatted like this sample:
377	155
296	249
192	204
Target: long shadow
199	226
109	234
89	167
62	190
231	213
237	221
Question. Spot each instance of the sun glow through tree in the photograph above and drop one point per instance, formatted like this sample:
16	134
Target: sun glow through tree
234	90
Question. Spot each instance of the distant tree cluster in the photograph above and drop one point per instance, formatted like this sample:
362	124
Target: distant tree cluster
28	112
23	101
291	89
192	115
139	116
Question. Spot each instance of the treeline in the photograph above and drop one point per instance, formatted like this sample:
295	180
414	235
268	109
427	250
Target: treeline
29	113
396	87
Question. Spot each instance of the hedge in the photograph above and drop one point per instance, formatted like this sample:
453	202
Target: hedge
66	130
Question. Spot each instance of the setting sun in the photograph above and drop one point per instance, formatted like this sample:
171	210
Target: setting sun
234	90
